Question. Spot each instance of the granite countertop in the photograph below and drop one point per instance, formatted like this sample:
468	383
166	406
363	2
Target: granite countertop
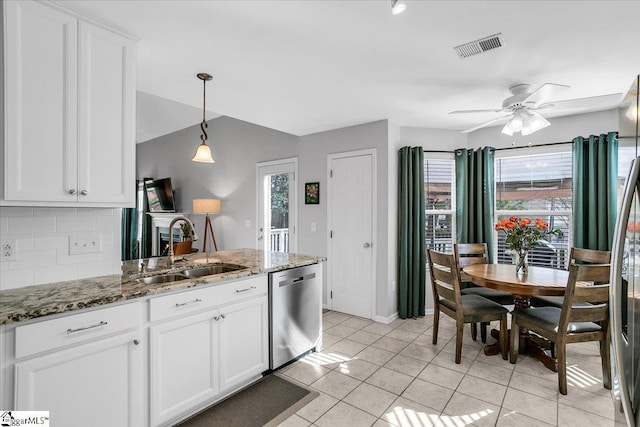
36	301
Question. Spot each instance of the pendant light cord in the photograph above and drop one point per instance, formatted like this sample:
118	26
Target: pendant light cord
204	125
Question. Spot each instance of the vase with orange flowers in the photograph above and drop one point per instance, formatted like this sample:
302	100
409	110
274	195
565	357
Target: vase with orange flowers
522	235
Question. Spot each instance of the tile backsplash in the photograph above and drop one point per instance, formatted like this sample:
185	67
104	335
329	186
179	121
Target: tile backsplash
43	237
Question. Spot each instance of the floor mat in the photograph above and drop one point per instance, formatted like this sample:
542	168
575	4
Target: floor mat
267	402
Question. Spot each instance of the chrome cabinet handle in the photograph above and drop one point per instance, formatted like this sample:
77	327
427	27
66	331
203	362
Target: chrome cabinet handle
84	328
223	316
188	302
245	290
367	245
216	318
72	191
136	341
84	192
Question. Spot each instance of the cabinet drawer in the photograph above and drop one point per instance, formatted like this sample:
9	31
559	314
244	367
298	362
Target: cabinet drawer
76	328
197	299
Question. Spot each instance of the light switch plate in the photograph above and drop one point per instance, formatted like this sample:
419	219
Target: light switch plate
85	243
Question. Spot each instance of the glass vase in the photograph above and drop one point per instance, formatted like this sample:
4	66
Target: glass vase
522	267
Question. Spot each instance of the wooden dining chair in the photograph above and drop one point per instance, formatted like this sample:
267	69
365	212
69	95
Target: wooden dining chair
445	282
471	254
572	323
576	256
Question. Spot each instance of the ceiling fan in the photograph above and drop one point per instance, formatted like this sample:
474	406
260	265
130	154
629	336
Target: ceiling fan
523	106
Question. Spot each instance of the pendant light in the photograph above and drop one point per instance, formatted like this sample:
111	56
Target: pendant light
203	153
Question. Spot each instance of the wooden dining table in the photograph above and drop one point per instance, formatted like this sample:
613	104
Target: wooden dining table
539	281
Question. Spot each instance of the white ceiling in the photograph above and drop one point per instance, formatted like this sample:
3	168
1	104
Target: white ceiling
308	66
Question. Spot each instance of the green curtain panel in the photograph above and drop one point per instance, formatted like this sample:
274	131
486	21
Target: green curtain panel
132	248
412	270
595	175
475	196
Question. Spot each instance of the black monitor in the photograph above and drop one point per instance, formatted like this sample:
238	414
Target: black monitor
160	195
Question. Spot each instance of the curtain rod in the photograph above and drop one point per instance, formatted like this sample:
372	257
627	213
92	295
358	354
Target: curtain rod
547	144
505	148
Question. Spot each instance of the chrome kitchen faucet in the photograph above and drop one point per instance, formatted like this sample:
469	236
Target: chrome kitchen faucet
171	260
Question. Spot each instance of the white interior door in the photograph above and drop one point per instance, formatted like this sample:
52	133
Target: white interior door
351	255
277	205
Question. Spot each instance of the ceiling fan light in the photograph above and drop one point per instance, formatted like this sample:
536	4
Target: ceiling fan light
203	154
507	130
515	124
398	6
526	131
536	122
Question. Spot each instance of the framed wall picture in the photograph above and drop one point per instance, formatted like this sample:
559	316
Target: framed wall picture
312	193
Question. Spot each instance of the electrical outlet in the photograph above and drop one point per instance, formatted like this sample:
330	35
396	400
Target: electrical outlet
85	243
8	250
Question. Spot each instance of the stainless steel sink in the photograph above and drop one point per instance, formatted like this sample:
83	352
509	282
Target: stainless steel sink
162	278
211	269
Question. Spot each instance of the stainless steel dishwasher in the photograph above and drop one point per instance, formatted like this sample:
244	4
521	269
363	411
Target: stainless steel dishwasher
295	313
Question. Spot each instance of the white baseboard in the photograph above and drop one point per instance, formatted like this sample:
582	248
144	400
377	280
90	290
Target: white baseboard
386	320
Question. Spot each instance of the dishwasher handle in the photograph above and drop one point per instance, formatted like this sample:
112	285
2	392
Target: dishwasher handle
295	280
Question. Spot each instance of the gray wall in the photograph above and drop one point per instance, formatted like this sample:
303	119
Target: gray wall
237	146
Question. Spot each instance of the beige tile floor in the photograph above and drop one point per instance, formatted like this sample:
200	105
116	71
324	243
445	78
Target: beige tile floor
371	374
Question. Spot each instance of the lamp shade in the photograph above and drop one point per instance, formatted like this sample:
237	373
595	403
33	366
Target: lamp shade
206	206
203	154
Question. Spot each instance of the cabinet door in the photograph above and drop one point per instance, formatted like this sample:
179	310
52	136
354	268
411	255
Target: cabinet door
106	116
182	365
244	342
96	384
41	103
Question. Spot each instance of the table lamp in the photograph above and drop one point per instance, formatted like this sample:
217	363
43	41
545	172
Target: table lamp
206	207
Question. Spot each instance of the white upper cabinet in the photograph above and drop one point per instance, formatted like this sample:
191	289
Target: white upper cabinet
69	137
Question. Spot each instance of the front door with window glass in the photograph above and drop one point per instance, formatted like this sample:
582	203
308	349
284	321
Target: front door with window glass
277	205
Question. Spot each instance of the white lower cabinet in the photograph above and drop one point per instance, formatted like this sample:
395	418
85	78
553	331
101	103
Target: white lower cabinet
94	384
182	371
197	358
96	367
244	342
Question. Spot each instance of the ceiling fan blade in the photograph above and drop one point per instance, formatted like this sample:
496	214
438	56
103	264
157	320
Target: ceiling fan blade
601	101
544	92
474	111
486	123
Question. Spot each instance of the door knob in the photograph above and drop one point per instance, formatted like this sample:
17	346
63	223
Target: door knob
72	191
367	245
84	192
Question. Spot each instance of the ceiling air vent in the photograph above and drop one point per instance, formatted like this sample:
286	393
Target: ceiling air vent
478	46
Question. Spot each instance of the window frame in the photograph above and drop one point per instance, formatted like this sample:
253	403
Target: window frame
452	210
531	152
